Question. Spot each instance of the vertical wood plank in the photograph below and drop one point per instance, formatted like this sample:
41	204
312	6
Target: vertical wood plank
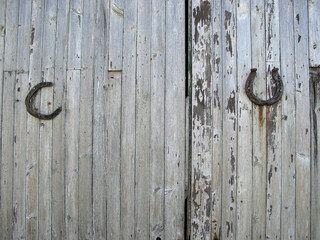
128	121
72	153
58	125
8	115
157	141
99	138
175	120
314	33
2	37
113	119
288	121
244	160
302	125
116	36
45	152
201	120
20	123
142	214
229	121
32	168
259	121
315	170
86	116
273	214
217	122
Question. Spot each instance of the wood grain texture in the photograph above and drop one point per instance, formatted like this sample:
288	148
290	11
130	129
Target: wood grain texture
20	123
302	124
128	121
230	121
201	123
142	171
85	124
157	121
288	121
58	125
175	120
314	32
7	213
244	128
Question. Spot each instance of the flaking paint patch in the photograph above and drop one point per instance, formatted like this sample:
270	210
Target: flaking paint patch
202	16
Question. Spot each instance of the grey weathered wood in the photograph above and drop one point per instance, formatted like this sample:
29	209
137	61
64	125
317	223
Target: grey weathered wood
314	33
142	213
201	128
302	123
32	168
315	170
157	124
259	175
288	121
113	161
72	120
128	121
45	151
20	143
229	103
58	124
217	111
175	120
273	118
244	128
116	34
99	137
86	116
8	98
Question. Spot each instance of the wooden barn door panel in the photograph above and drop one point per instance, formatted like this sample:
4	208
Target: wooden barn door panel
111	165
250	174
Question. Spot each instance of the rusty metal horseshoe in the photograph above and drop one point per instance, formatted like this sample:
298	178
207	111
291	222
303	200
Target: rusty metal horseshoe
256	100
29	101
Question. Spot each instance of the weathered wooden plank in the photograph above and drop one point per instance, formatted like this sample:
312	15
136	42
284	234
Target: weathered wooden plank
58	125
157	141
217	112
244	128
259	121
230	122
113	123
75	33
45	152
315	170
72	120
99	137
8	98
116	34
86	115
288	121
20	123
302	124
202	120
45	155
314	33
175	120
142	213
32	168
273	124
128	121
72	153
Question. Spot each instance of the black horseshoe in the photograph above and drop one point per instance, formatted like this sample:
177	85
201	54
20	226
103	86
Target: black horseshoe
276	97
29	100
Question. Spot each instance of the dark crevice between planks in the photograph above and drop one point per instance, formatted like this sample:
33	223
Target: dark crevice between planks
188	87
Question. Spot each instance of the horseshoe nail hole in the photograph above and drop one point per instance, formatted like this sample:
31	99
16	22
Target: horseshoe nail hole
158	238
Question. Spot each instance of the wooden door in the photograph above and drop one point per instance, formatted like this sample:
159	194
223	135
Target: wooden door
254	175
111	164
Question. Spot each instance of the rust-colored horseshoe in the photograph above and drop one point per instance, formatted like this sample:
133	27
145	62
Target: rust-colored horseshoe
29	100
256	100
